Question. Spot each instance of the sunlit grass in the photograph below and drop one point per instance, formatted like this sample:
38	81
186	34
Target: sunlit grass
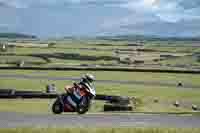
191	79
146	94
101	130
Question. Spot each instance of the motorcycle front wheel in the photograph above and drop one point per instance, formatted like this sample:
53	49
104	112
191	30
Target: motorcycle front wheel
57	107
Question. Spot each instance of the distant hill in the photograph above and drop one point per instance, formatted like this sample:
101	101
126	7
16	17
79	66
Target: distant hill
147	38
16	35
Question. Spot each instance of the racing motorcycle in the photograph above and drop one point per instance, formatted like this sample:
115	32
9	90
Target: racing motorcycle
64	100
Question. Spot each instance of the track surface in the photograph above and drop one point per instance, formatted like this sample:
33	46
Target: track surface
169	84
10	120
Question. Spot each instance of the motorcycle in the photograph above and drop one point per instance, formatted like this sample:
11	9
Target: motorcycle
62	101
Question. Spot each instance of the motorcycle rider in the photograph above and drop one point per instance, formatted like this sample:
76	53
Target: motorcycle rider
78	90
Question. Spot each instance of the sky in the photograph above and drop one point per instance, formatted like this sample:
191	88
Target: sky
57	18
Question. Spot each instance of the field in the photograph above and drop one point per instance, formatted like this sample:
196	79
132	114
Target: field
145	87
100	53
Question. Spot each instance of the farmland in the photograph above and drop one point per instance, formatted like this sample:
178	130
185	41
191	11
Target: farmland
100	53
149	86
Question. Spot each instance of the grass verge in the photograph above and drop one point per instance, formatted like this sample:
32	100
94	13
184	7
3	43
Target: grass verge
101	130
146	93
189	79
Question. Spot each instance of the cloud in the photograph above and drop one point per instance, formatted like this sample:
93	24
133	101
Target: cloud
166	29
14	3
2	4
166	10
188	4
160	17
45	17
54	3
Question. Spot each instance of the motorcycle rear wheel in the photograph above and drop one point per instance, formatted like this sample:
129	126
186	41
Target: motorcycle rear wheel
82	110
84	106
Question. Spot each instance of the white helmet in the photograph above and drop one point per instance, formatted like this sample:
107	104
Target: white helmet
89	78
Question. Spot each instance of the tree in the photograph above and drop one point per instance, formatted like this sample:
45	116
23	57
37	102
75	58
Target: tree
51	44
3	47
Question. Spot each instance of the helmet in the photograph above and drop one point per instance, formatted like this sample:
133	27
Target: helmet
89	78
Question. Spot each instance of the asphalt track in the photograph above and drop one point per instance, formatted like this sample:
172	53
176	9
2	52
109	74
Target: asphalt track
166	84
13	120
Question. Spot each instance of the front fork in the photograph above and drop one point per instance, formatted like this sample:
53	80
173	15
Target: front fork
60	99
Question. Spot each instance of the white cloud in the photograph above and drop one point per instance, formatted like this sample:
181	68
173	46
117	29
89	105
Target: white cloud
166	10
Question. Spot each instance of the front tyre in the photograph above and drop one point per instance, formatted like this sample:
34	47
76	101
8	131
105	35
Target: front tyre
57	107
84	106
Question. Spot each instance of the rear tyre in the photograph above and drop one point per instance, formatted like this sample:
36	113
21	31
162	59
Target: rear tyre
82	110
57	107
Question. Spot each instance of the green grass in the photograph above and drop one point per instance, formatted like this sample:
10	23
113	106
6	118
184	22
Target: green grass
64	49
115	89
180	48
30	106
61	50
146	94
15	59
101	130
75	47
191	79
182	61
